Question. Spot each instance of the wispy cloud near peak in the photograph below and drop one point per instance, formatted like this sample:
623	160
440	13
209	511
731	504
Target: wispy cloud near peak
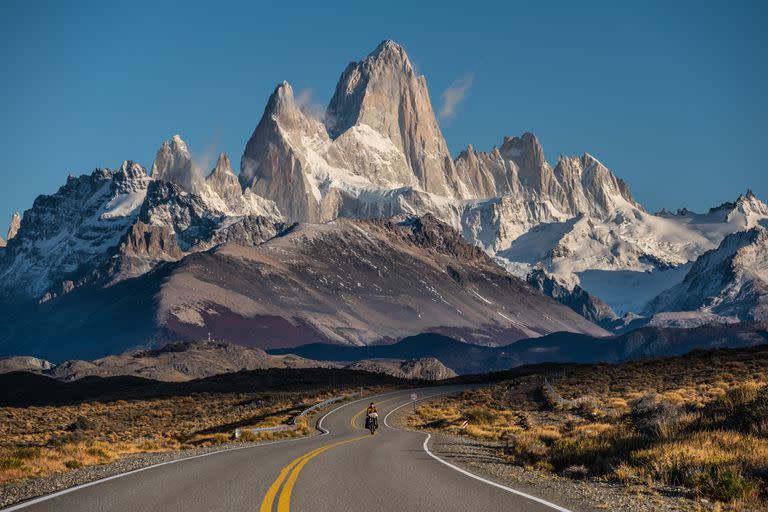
454	95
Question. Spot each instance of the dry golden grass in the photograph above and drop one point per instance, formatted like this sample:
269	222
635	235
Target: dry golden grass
712	439
40	441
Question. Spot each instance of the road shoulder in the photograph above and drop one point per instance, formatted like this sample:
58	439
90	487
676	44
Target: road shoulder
481	458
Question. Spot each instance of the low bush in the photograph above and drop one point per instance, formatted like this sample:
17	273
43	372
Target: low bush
599	453
744	408
82	423
27	452
11	463
481	415
248	437
95	451
725	484
654	416
73	464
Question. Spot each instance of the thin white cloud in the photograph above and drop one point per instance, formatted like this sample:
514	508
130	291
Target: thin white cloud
454	95
306	103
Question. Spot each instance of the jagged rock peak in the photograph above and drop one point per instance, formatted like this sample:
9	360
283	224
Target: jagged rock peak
281	97
224	182
173	163
15	225
749	202
527	148
368	85
131	170
382	93
388	46
282	108
223	167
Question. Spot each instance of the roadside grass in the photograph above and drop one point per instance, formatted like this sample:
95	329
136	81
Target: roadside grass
698	422
42	440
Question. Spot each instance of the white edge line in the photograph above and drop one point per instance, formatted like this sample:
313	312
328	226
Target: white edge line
40	499
467	473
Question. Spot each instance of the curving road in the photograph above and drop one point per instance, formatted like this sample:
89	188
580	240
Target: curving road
344	469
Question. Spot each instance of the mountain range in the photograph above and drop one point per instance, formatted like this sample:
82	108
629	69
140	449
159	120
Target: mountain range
358	227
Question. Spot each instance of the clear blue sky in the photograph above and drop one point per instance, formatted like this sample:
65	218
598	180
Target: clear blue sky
671	97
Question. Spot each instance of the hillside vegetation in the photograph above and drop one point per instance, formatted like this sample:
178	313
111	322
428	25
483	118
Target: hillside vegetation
47	426
699	421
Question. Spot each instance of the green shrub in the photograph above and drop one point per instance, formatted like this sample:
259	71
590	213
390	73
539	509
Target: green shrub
97	452
73	464
743	408
248	436
480	415
27	452
725	484
598	453
752	416
11	463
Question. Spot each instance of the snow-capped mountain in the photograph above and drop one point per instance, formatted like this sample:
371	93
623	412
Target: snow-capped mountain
117	224
378	151
731	281
573	230
573	296
349	281
72	229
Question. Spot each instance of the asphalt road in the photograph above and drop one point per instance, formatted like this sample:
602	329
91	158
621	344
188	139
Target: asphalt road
345	469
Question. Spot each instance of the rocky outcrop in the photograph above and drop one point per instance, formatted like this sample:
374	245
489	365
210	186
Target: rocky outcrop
591	308
430	233
150	242
70	232
24	364
174	362
222	193
383	94
426	368
12	230
731	280
15	225
173	163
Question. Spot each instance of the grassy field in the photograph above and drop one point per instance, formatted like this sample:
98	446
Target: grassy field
38	441
699	421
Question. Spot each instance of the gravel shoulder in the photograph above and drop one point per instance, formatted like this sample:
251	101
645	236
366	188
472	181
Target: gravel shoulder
481	458
589	495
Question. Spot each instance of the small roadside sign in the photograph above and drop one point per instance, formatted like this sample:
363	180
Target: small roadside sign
413	396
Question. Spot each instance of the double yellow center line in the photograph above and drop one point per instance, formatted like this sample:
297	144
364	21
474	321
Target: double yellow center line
290	473
357	415
294	468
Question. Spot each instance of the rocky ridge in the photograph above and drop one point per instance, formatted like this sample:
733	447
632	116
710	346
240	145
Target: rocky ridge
730	281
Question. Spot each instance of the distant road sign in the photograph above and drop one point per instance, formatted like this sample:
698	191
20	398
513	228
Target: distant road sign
413	396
